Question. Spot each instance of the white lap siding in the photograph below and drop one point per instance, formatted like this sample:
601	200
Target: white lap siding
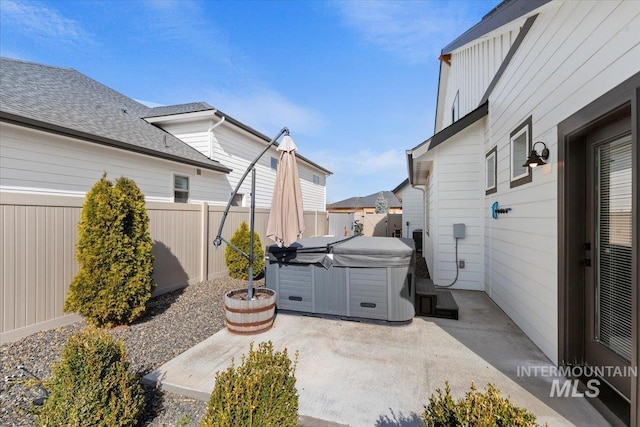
33	161
236	149
574	53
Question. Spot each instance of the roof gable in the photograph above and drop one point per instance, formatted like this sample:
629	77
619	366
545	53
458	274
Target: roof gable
505	12
173	112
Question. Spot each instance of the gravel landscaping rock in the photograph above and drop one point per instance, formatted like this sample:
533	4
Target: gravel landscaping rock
174	322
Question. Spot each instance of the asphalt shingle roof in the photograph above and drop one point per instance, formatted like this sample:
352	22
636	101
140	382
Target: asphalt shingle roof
170	110
63	99
366	201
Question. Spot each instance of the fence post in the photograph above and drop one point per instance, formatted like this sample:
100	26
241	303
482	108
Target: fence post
204	248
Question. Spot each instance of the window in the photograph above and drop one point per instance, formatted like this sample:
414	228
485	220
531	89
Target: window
180	189
491	178
316	179
455	109
520	149
274	163
237	199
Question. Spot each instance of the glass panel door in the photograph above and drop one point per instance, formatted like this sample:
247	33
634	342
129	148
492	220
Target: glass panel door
613	246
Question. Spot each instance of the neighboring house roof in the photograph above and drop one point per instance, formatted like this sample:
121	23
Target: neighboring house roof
366	201
156	113
169	110
505	12
64	101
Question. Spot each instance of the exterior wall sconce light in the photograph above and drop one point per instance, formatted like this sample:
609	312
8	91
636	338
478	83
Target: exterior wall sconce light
536	159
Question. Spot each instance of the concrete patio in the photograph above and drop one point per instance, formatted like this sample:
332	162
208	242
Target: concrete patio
380	374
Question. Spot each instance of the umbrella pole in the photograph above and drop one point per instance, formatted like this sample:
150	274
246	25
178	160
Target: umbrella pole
252	221
219	239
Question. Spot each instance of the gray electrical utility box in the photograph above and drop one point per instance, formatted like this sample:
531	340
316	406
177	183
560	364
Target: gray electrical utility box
458	231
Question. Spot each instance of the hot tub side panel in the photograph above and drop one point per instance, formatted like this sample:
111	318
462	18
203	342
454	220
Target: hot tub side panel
368	296
294	285
401	293
330	289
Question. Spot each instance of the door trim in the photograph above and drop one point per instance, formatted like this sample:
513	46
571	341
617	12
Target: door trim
620	101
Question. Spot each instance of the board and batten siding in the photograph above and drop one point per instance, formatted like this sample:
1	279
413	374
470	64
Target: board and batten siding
38	162
236	149
574	53
473	66
455	196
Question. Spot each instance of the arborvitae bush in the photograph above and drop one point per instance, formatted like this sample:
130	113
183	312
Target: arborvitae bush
91	385
476	409
237	264
260	392
114	253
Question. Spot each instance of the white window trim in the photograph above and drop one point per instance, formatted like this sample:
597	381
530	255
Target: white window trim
173	186
241	199
455	108
525	128
493	153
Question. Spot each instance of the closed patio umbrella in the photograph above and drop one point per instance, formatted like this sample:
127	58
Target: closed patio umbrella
286	218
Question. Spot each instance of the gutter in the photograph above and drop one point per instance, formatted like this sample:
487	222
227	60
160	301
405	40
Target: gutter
61	130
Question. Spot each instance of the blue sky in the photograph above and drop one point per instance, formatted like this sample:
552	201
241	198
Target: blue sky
354	81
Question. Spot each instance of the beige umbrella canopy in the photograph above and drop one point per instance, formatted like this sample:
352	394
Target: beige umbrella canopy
286	218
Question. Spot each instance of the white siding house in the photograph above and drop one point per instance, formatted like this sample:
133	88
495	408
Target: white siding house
540	241
220	137
60	131
412	208
38	162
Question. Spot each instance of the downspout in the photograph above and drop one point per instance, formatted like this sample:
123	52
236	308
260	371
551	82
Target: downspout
423	188
210	132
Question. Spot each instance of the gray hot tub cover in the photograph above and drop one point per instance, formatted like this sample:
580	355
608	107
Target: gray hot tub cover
359	251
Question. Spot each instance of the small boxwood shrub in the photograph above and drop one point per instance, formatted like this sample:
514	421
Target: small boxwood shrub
237	264
260	392
114	247
476	409
91	385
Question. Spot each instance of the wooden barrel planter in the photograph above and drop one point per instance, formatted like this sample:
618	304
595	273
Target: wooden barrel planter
254	316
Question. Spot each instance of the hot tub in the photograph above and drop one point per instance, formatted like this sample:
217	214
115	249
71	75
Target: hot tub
362	277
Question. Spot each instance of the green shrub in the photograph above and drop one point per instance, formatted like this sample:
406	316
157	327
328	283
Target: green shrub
237	264
114	253
91	385
476	409
260	392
